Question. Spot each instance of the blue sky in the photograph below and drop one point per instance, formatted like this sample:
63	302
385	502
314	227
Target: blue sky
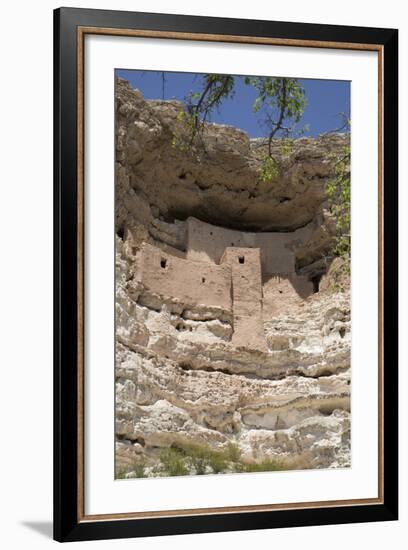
326	98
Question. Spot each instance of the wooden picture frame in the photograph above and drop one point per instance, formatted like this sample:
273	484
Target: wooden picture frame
71	26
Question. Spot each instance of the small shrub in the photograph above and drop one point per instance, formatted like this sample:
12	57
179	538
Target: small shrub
217	461
198	456
179	144
173	462
267	465
232	452
338	190
269	170
120	473
202	458
139	469
287	146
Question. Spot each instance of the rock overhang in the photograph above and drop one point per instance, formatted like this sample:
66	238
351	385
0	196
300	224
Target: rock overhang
221	186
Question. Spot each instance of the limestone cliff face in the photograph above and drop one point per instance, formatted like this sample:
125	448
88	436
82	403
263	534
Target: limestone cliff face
196	361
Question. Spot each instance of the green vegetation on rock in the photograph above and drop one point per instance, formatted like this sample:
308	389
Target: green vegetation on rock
269	170
199	459
338	191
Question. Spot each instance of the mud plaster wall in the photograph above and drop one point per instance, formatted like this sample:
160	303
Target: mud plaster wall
281	294
184	280
245	265
207	243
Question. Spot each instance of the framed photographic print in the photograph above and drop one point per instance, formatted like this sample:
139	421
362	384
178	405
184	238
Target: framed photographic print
225	274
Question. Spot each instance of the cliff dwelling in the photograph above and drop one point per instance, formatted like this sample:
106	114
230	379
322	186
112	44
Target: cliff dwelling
220	268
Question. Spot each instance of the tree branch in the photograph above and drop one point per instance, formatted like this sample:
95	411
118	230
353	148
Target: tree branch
278	125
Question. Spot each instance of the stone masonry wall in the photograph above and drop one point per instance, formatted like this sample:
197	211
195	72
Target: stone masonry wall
245	265
185	281
207	243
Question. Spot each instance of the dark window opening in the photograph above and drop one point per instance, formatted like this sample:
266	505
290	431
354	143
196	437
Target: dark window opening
232	244
203	279
316	282
121	233
134	250
241	259
342	332
163	263
211	232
